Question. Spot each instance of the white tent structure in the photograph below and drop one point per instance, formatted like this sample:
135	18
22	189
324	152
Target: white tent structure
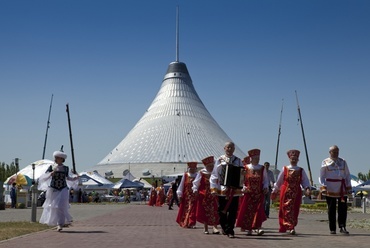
94	176
175	129
41	167
92	180
355	181
363	186
127	175
146	184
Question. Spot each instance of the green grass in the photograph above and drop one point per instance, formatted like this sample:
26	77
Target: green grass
13	229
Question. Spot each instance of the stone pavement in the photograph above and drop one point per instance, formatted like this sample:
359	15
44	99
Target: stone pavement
135	225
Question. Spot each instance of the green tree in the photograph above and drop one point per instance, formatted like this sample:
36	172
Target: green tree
364	176
7	170
2	172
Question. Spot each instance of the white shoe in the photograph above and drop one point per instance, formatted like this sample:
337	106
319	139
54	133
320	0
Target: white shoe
59	228
260	232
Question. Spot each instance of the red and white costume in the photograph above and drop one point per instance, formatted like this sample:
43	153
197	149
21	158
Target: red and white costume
251	213
289	182
207	203
186	217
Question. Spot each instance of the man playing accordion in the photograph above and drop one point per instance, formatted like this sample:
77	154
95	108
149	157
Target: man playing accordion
226	182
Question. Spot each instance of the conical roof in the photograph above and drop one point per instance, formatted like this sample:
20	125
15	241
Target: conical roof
176	128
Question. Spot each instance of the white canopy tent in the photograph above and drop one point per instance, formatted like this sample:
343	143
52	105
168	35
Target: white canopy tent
41	167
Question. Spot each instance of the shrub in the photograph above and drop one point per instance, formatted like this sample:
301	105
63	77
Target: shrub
21	205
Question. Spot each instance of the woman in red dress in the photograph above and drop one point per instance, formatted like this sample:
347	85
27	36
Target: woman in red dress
289	182
186	217
207	203
251	213
152	196
161	196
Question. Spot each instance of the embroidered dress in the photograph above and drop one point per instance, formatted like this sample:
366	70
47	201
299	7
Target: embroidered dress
186	217
160	197
207	204
251	213
289	181
56	205
152	197
169	196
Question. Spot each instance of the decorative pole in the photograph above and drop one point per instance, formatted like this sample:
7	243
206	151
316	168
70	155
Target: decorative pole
70	138
47	127
278	140
304	140
34	196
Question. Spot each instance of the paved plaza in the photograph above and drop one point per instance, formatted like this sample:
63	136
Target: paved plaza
135	225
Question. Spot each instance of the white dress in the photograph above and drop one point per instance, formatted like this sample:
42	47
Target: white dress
56	204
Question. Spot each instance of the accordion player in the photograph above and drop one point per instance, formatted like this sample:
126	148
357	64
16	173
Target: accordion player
232	176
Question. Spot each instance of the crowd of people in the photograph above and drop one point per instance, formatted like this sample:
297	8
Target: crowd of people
235	193
228	192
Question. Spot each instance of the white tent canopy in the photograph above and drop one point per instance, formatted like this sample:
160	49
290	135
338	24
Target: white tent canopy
92	180
127	175
94	176
355	181
41	167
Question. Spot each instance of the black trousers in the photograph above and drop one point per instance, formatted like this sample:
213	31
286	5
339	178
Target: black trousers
227	220
174	199
332	212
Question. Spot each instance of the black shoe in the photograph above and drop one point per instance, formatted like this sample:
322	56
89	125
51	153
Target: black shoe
170	208
343	230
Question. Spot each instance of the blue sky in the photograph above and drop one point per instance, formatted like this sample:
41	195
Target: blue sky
107	60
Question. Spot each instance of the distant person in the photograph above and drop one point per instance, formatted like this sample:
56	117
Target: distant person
207	203
161	195
228	196
56	182
186	216
271	179
169	194
335	179
138	196
290	182
13	194
80	195
252	210
152	195
127	195
361	194
174	198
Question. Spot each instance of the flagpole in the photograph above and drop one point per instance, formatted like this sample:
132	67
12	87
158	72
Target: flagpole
70	138
304	140
47	127
279	132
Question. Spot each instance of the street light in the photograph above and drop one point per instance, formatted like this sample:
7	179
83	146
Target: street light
34	195
33	174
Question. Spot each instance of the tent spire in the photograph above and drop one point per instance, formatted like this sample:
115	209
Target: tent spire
177	34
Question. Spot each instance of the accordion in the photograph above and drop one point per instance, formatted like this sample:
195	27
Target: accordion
232	176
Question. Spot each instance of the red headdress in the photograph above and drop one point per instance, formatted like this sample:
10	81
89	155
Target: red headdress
208	160
192	165
254	152
291	153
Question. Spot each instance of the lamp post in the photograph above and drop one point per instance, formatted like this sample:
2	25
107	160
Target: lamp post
34	195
